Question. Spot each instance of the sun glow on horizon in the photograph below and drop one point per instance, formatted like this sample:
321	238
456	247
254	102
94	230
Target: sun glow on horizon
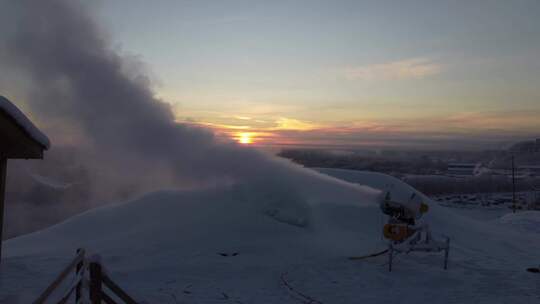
245	138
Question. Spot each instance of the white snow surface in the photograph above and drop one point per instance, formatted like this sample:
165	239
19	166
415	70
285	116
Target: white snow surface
10	109
165	248
524	221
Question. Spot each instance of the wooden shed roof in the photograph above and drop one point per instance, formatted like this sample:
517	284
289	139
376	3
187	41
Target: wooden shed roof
19	138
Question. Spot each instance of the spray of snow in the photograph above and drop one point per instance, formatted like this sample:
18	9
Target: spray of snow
78	82
50	182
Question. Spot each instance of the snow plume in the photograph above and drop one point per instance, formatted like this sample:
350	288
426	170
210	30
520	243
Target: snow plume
86	96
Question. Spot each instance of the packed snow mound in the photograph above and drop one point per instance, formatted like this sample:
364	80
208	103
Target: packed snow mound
334	215
240	239
443	221
12	111
524	221
228	215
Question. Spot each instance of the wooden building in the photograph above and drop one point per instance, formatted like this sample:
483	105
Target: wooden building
19	139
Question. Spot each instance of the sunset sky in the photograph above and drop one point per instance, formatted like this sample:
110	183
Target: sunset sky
341	73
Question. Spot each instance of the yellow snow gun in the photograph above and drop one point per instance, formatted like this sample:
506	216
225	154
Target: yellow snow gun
397	232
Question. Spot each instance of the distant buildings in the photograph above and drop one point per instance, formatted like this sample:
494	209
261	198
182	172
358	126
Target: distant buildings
531	146
463	169
529	170
521	172
528	155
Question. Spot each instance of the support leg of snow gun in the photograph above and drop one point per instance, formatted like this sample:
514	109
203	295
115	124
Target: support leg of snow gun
446	253
390	256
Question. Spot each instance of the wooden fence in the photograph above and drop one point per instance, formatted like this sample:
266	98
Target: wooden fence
91	285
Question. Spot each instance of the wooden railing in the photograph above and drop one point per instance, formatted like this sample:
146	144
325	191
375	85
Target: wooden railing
97	279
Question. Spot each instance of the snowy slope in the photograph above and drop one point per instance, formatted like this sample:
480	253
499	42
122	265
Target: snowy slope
525	221
164	248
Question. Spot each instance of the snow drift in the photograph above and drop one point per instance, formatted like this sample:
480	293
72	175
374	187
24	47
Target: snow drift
167	241
526	221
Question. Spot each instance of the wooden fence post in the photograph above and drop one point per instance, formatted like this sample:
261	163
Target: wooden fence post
95	283
3	168
79	271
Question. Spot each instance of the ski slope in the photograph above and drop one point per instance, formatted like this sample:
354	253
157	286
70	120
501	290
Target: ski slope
178	246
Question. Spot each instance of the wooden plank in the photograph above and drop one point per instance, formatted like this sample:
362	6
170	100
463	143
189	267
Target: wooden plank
79	271
66	297
43	297
3	169
117	290
107	299
95	283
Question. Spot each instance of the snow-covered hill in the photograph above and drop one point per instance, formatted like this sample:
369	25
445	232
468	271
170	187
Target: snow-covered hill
178	246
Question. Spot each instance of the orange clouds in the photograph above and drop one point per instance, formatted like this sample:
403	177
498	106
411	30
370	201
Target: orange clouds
420	130
414	68
283	123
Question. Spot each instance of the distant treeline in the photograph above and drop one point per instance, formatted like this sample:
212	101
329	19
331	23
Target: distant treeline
423	170
437	185
390	164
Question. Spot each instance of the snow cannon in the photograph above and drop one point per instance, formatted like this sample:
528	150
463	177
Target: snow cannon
403	231
397	232
403	216
405	212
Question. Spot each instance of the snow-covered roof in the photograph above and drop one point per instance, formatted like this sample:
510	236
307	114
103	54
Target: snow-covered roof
12	111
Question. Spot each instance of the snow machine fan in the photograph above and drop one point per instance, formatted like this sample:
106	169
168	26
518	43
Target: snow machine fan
402	216
404	232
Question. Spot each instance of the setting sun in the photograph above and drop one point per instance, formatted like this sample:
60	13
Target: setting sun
245	138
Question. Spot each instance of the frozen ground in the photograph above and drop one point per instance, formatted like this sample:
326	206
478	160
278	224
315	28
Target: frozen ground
165	248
